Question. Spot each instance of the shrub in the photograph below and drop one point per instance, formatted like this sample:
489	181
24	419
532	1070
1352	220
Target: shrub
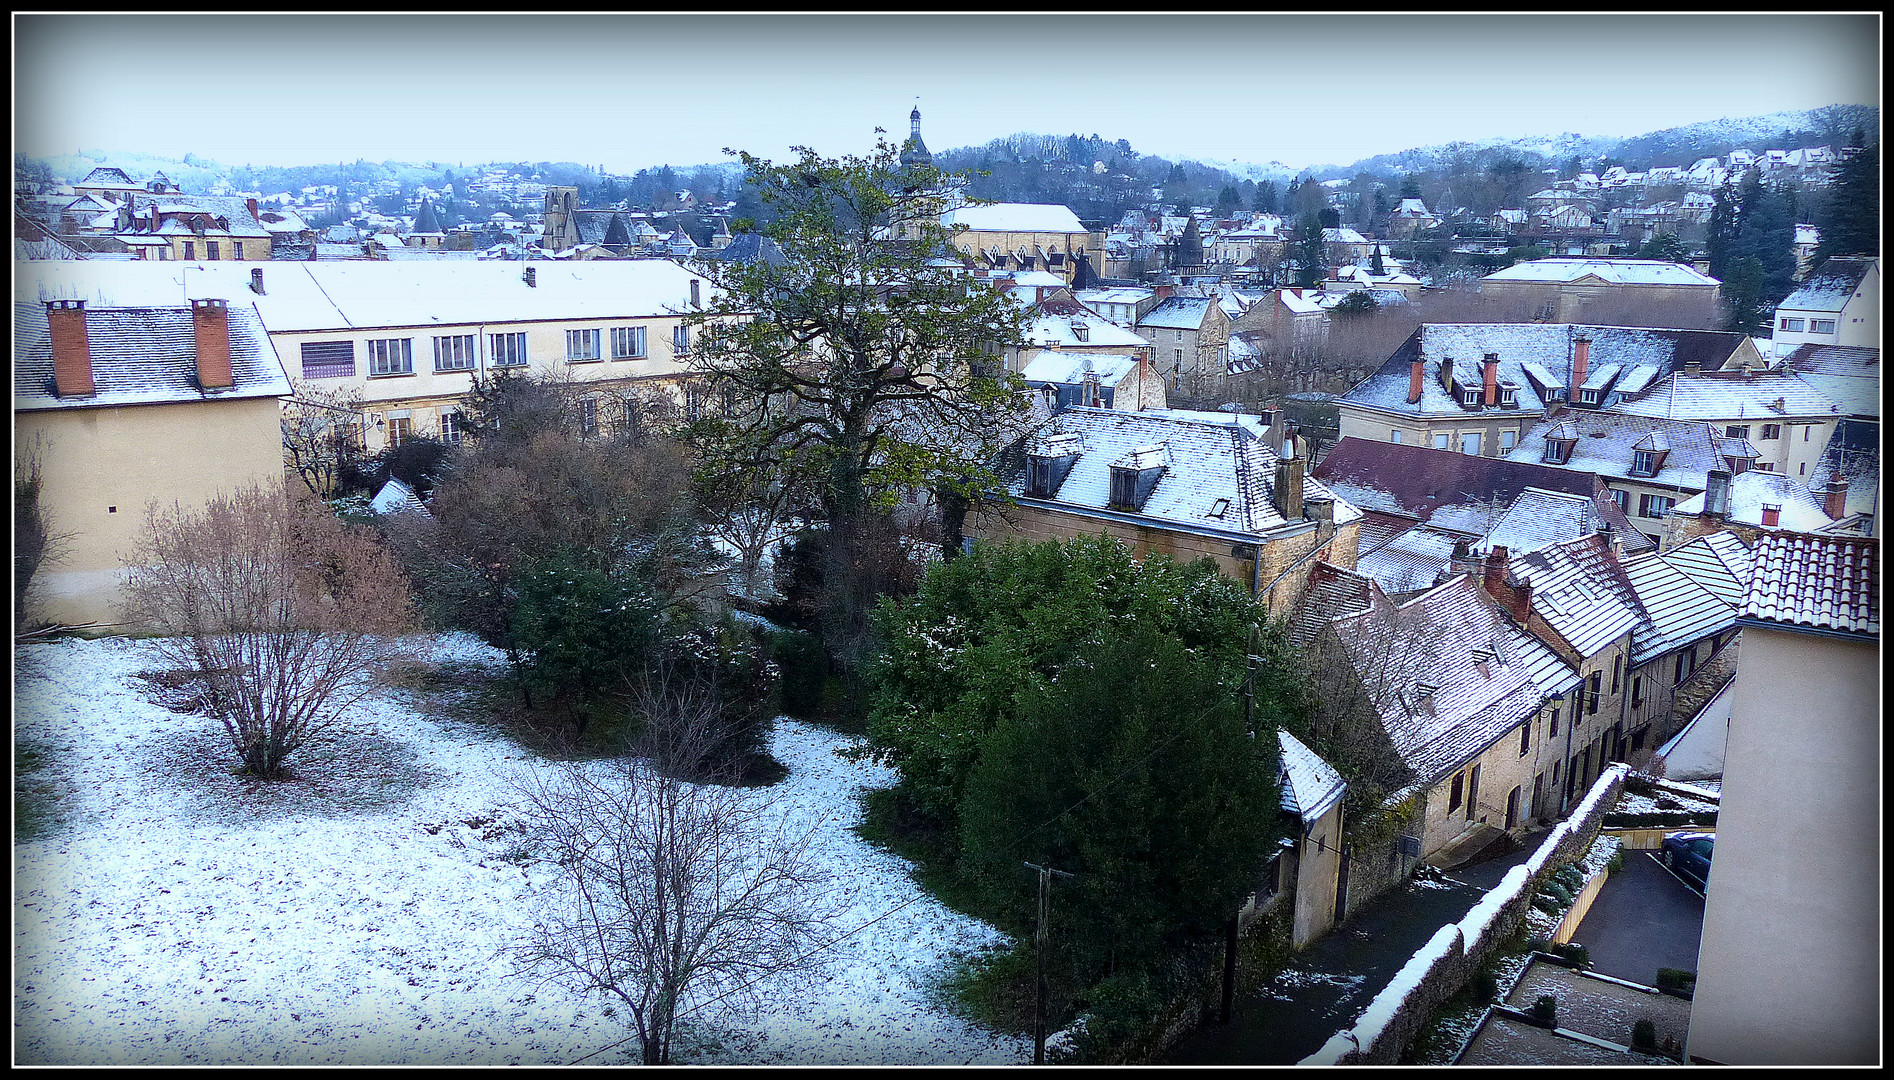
1545	1010
1485	986
1616	865
1676	979
1573	952
1644	1035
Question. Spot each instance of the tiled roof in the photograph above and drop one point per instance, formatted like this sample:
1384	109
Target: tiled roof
1070	368
1717	561
1617	271
1730	396
1801	510
1310	786
142	356
1547	347
1409	562
1206	464
1605	441
1449	490
1853	453
1848	375
1332	593
1681	610
1538	517
1579	590
1487	675
1015	217
1830	287
1816	582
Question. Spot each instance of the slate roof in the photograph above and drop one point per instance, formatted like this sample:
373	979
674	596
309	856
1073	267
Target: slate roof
1616	271
1830	286
1058	366
1050	327
1817	583
1538	517
234	211
1015	217
1801	508
1848	375
1432	639
1449	490
1548	347
1730	396
1205	464
1409	562
1606	440
142	356
1680	609
1310	786
1853	453
750	247
1332	593
1179	312
1717	561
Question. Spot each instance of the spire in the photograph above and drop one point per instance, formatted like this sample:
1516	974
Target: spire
424	219
914	151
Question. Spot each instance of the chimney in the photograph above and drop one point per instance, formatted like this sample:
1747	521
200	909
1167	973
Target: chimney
210	322
1693	367
1162	292
1493	580
1835	499
1716	493
256	281
250	205
1771	515
1446	374
1490	376
1581	360
1289	477
531	277
72	355
1414	381
1462	561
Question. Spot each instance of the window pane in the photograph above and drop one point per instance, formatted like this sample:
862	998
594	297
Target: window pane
328	359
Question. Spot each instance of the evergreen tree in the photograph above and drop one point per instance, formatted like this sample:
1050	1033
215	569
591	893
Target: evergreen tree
1190	244
1228	199
1311	257
1851	218
1267	199
1410	187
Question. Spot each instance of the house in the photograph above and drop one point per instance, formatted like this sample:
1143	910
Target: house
1191	335
130	404
1062	323
1789	967
1023	236
1477	387
1181	487
1753	502
1120	304
1598	290
1837	304
1782	414
1310	866
1098	380
410	338
184	228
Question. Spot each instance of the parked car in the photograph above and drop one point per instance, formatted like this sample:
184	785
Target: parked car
1688	856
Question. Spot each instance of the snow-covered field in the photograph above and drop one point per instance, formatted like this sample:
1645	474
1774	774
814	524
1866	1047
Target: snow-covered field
177	916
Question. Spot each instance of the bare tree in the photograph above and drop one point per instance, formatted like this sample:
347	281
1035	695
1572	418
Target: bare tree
675	894
322	435
283	612
36	540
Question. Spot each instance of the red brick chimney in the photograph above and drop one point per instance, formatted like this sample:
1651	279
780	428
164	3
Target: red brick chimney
72	354
210	321
1494	578
1835	499
1514	597
1162	292
1414	381
1490	375
1771	515
250	205
1581	360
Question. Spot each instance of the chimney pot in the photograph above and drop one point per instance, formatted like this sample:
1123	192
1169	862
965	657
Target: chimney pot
1716	493
72	354
210	323
256	281
1414	381
1835	499
1771	515
531	277
1494	578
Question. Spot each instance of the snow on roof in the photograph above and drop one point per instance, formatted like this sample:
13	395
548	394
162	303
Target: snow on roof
1343	236
396	497
1410	561
1035	278
1015	217
1538	517
142	356
1604	442
1718	561
1114	295
1680	609
1070	368
1580	591
1729	395
354	295
1616	271
1800	509
1179	312
1099	331
1816	582
1310	786
1448	490
1831	285
1208	464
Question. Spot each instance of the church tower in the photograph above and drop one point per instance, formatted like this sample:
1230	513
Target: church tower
914	151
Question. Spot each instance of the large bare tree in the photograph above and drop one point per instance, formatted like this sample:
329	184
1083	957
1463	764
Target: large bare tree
322	435
283	613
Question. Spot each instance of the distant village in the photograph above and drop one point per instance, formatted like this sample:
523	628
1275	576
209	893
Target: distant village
1545	512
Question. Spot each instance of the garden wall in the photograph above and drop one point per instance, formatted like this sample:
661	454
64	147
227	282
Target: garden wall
1447	962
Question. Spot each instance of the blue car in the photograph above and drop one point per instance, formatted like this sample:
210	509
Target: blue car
1688	856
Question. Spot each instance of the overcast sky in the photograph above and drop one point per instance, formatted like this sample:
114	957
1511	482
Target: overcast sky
629	92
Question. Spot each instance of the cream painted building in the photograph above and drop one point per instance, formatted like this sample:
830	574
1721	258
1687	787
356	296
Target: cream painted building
1025	236
125	406
410	338
1597	290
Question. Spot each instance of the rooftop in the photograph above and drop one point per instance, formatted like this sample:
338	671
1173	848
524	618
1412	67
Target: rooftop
1816	583
1015	217
142	356
1611	271
1831	285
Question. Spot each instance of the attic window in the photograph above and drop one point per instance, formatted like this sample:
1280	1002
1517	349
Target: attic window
1508	394
1219	508
1470	398
1559	451
1481	656
1424	691
1081	331
1124	487
1643	463
1588	397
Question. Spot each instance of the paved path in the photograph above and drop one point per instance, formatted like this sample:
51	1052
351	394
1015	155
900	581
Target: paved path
1643	919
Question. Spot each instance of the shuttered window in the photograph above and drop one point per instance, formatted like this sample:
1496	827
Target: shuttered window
328	359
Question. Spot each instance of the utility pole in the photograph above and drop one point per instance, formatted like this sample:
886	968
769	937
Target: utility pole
1041	933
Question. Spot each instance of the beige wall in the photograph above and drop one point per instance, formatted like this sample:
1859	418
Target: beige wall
1420	430
103	465
1789	967
1318	873
975	242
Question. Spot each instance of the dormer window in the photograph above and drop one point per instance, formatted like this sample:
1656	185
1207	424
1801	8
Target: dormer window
1481	656
1219	508
1509	395
1643	463
1081	332
1559	451
1588	397
1039	483
1470	398
1124	487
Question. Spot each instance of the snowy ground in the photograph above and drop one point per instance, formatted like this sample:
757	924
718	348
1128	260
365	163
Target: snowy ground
178	915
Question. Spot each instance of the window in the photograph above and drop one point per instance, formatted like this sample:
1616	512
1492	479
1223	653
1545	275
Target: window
210	249
1038	477
588	417
509	350
1654	506
1591	697
627	342
391	356
1806	428
696	299
1622	498
1792	325
1179	357
399	431
1772	431
1441	440
581	345
1678	676
1617	668
454	353
1124	486
328	359
236	249
1471	399
1525	739
1643	463
1552	730
190	249
1821	326
453	428
1637	691
1394	435
1765	466
1470	443
1454	793
1473	792
1737	431
1588	397
1508	440
681	340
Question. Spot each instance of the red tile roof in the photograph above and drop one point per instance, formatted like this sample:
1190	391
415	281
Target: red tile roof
1816	582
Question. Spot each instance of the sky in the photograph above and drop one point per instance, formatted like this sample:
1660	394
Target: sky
631	92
